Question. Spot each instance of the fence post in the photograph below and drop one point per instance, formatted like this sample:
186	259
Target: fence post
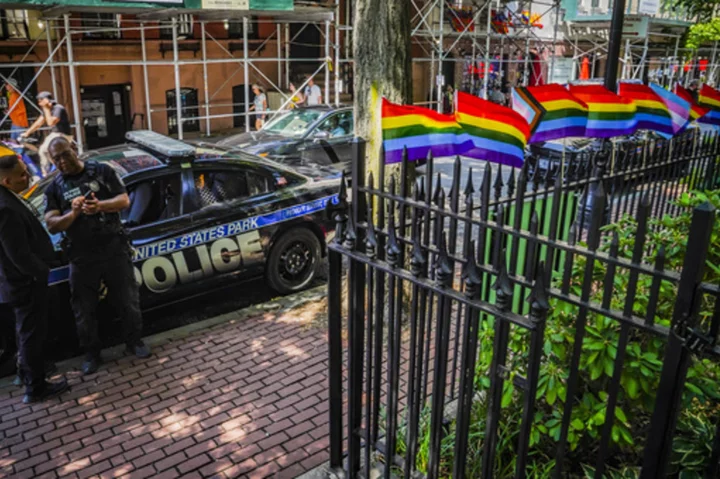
678	351
354	241
335	376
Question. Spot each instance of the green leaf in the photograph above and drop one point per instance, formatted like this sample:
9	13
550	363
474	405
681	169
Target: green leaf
577	424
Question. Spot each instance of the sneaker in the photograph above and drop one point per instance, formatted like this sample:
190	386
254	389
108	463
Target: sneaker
17	381
91	364
47	391
139	349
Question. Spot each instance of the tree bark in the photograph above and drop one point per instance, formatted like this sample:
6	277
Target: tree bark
383	68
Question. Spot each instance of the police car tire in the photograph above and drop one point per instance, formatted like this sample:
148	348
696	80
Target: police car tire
302	235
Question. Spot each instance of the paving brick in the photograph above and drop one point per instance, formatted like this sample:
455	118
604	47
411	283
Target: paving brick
30	462
51	465
169	462
179	446
239	469
194	463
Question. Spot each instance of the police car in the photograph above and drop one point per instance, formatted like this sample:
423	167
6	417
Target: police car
201	217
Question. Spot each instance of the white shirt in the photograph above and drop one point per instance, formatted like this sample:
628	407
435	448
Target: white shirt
313	95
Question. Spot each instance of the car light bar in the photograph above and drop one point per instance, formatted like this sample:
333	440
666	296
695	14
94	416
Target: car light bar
160	144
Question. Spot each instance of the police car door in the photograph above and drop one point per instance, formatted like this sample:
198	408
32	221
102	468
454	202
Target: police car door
329	143
158	219
227	238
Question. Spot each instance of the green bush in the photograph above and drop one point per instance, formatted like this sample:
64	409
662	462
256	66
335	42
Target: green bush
639	378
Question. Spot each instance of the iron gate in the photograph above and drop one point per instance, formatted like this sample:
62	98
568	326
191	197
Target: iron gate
429	272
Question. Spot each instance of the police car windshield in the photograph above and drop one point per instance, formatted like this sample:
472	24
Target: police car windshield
294	124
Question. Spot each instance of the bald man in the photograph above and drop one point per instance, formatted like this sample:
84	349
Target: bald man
25	254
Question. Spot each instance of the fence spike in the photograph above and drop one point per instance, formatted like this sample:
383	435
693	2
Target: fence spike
498	185
572	234
392	249
422	188
342	194
511	183
485	188
443	268
371	243
469	189
455	183
418	261
538	297
471	274
438	190
350	235
503	286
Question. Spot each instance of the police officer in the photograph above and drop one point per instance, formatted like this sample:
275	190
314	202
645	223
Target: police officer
25	255
84	202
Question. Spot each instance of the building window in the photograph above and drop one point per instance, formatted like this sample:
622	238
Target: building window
189	105
235	28
101	25
184	28
14	25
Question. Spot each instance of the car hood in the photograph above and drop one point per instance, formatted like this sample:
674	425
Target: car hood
257	142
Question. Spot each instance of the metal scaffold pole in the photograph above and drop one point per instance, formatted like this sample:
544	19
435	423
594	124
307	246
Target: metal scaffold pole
48	33
176	68
441	54
205	78
246	74
551	73
146	83
486	72
337	60
287	54
278	32
73	85
327	62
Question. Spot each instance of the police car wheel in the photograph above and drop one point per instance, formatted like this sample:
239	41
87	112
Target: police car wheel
293	261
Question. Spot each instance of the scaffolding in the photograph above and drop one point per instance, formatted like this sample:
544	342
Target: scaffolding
59	34
486	41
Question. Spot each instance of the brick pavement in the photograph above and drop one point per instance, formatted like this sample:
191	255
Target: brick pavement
245	399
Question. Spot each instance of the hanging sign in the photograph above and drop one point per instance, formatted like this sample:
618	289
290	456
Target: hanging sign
649	7
226	4
635	27
562	69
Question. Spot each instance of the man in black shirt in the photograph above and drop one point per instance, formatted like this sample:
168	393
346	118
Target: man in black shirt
25	255
55	116
84	202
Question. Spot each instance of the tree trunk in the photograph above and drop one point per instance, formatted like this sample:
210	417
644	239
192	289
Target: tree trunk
383	68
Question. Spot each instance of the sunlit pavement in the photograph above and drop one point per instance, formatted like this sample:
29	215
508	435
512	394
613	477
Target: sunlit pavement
241	399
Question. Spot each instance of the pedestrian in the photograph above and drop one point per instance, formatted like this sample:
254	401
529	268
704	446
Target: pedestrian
26	253
448	100
313	94
259	106
18	113
694	90
55	116
296	98
84	202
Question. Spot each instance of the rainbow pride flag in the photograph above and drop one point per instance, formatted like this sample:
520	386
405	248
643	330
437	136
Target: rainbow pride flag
418	129
608	114
652	113
562	115
678	107
497	133
709	97
696	111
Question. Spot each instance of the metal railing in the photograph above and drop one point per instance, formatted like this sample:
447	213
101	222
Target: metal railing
428	270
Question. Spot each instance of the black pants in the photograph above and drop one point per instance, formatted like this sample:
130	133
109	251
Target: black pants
31	325
118	274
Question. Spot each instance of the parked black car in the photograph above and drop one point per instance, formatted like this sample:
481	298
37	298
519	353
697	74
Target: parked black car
319	135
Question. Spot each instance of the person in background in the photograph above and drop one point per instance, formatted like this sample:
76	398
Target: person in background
26	253
259	106
313	94
448	100
296	98
497	96
694	90
18	113
55	116
84	202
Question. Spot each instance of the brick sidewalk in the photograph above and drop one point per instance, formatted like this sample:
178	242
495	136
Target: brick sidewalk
245	399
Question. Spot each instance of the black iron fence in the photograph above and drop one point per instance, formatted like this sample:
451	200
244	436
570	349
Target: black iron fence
482	322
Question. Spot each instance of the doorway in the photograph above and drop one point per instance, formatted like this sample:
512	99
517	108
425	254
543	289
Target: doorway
239	105
106	114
